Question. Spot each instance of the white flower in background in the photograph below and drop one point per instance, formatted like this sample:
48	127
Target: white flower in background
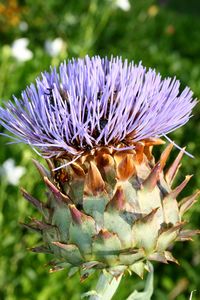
11	172
19	50
54	47
123	4
23	26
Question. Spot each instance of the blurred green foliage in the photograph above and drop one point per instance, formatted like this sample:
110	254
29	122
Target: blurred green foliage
163	34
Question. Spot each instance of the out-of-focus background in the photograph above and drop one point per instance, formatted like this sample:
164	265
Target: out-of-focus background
36	34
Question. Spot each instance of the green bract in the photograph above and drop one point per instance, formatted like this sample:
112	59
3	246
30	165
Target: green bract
111	210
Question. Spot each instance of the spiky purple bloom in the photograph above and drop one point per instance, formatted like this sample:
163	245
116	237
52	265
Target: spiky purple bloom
93	102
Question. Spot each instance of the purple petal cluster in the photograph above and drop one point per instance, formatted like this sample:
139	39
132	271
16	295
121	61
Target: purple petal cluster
93	102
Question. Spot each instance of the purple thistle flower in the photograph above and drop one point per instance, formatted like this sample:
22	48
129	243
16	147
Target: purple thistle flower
94	102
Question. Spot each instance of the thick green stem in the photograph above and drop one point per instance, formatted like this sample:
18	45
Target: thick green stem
148	290
106	287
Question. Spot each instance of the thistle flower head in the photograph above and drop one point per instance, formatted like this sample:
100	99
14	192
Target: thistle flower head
94	102
108	210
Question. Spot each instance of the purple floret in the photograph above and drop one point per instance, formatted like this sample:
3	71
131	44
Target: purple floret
94	102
